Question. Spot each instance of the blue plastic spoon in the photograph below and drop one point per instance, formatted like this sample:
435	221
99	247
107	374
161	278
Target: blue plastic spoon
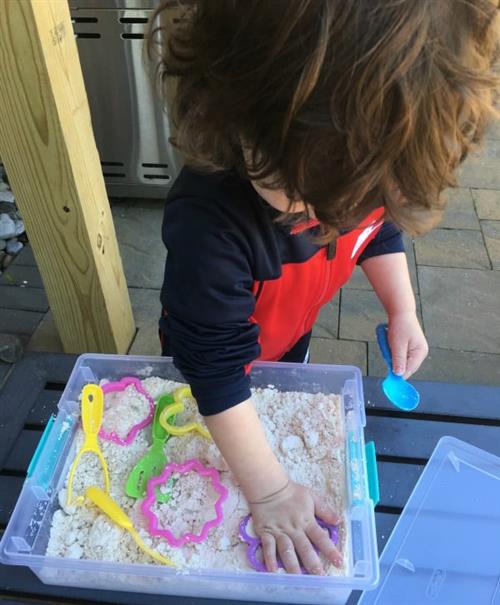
399	392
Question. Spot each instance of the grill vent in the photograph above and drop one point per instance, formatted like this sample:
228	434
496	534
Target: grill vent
113	175
84	19
133	19
162	175
87	35
132	28
107	173
132	36
156	177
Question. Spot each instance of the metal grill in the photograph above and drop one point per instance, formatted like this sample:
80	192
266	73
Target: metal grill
131	126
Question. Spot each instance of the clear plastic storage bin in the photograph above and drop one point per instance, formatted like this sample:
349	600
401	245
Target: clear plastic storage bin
26	537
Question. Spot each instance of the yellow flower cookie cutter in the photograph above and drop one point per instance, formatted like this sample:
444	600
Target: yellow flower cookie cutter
177	408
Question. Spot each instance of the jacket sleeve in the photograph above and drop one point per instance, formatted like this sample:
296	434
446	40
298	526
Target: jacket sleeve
387	241
208	300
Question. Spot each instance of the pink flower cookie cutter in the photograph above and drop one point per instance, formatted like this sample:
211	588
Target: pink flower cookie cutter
254	543
116	387
150	499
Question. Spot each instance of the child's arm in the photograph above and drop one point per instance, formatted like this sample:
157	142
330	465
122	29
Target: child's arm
209	299
282	511
389	276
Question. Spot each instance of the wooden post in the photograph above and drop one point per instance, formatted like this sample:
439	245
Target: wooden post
48	148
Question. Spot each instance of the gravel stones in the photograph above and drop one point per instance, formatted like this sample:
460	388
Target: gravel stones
11	349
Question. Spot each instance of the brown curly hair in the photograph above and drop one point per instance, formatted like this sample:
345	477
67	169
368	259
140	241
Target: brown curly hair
345	104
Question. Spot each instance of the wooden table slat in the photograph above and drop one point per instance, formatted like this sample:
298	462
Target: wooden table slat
20	455
44	406
10	488
412	438
465	400
20	392
385	524
397	482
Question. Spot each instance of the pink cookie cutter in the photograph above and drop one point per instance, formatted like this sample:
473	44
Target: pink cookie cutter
150	500
121	385
254	543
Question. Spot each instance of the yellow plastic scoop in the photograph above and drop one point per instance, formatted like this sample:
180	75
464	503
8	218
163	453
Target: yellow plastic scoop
177	408
92	407
111	509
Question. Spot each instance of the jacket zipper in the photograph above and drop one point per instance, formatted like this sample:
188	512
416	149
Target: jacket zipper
326	282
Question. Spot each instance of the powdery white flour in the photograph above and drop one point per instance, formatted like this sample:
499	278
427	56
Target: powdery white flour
305	431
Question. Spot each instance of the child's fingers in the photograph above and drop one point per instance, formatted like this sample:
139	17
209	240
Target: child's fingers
287	553
320	538
324	512
415	358
269	552
399	350
307	554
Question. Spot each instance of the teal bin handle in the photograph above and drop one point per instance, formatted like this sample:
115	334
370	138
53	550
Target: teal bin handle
371	467
52	456
40	446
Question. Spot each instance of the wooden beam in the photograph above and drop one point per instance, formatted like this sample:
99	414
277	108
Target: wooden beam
48	149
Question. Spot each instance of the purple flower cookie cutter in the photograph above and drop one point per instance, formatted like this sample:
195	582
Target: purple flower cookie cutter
190	465
116	387
255	543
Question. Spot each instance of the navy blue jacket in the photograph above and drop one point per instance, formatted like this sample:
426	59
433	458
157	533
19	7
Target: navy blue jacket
240	285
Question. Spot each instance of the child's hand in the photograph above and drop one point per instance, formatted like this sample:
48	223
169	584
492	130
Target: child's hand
282	511
285	523
407	341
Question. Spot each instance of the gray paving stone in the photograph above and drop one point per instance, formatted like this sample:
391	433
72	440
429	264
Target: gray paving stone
14	321
25	257
138	229
326	325
491	232
452	248
412	263
461	309
487	203
444	365
46	338
26	299
11	348
19	275
359	281
146	308
4	370
480	170
339	352
493	131
460	212
360	312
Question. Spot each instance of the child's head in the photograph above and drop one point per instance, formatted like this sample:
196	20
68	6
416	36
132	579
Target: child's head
345	104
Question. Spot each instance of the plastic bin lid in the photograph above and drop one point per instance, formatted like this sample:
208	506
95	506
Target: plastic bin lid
445	548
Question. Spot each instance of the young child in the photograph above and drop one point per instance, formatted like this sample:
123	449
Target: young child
313	131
